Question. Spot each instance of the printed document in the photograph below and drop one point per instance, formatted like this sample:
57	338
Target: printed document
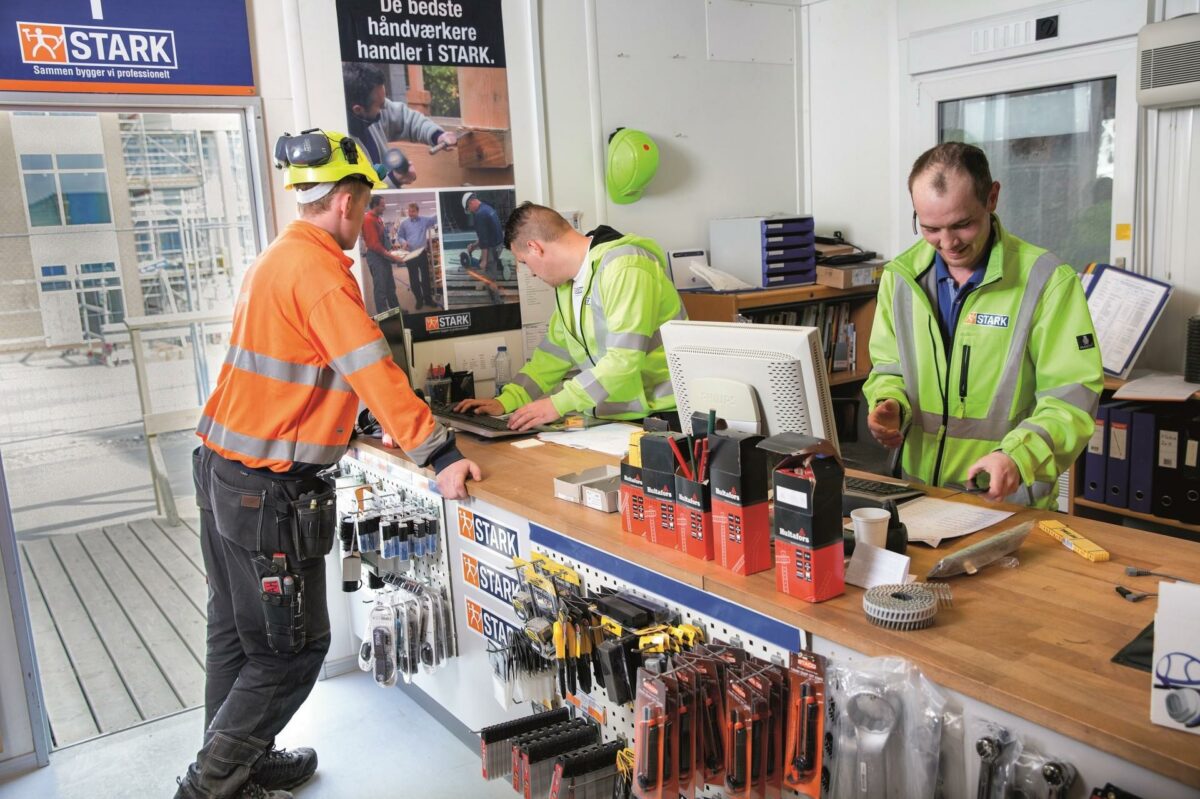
931	521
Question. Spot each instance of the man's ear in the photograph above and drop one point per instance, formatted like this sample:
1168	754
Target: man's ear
344	203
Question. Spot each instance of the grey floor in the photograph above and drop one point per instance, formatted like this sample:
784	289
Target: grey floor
371	741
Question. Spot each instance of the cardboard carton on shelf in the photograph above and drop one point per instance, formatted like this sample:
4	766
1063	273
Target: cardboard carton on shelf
847	276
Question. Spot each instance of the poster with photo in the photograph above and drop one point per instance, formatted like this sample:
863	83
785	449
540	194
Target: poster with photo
426	92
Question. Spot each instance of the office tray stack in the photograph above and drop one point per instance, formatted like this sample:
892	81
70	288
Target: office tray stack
765	251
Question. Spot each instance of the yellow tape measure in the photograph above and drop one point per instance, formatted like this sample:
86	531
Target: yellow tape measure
1074	541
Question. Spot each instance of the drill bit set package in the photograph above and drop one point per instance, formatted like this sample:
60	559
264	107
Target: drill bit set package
886	720
1001	765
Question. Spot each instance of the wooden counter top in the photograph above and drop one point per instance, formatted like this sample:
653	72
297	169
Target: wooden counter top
1035	640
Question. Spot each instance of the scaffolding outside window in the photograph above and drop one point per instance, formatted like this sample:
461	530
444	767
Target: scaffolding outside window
1051	149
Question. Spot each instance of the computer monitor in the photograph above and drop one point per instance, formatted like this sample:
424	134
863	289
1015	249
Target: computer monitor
764	379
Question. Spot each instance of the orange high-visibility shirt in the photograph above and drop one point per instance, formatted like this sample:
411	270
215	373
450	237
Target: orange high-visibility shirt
302	353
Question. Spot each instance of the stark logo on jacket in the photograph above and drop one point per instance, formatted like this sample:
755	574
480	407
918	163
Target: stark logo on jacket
987	319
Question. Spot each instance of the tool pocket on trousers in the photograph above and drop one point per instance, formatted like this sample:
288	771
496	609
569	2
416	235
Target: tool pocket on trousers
238	512
314	523
284	616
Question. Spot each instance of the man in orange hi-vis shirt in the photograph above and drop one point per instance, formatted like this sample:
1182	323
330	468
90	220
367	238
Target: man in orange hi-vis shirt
302	353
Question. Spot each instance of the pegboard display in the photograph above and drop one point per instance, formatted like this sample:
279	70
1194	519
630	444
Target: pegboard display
717	617
390	486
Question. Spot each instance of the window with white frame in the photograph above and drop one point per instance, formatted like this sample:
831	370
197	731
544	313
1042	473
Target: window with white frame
97	289
65	189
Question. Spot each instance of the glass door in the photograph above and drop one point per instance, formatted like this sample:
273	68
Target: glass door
1060	133
115	212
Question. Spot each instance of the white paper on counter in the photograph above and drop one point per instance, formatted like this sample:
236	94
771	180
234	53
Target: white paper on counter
872	566
931	521
611	439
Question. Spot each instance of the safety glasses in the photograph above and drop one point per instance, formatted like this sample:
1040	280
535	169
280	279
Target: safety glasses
312	148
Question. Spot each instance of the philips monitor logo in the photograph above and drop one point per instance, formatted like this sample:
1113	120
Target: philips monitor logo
93	46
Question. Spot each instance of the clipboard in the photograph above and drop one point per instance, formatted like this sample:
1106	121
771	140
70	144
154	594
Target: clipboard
1125	307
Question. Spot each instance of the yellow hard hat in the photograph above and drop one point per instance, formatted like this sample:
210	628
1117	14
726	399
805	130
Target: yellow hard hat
323	156
632	162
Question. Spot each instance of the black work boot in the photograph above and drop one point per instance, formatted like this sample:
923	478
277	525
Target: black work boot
250	790
279	769
254	790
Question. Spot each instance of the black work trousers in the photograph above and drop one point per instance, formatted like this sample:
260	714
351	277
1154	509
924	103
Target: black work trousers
262	658
418	279
383	283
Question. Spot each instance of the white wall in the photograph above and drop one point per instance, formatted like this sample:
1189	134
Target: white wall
851	117
728	130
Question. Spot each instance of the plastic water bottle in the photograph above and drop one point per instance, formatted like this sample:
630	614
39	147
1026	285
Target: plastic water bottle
503	369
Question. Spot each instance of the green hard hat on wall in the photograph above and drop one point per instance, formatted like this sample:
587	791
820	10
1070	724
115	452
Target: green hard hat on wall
632	162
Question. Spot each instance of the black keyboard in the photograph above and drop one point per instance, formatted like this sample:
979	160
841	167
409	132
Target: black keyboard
482	420
880	489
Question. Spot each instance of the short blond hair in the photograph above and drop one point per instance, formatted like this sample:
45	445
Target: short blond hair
351	183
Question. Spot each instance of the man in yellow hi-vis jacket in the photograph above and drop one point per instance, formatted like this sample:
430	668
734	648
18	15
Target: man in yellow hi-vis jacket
983	350
612	295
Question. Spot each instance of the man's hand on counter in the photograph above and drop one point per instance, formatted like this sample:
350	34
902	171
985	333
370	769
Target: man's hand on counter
452	481
1004	477
479	407
529	416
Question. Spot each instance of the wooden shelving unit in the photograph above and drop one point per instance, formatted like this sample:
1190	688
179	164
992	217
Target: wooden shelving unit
1081	502
727	307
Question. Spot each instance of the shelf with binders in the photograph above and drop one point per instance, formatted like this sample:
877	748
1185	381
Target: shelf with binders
844	317
1141	464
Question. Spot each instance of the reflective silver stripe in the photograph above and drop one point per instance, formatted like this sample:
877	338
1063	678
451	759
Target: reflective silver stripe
902	316
664	389
1032	494
629	341
978	429
424	451
1041	432
1039	275
269	449
529	384
299	373
362	357
887	369
599	319
553	350
1076	395
614	408
930	422
591	385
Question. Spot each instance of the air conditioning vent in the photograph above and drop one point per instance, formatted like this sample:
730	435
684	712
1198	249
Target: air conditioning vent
1169	63
1170	66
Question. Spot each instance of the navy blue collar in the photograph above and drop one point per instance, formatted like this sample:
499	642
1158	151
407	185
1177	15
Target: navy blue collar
943	271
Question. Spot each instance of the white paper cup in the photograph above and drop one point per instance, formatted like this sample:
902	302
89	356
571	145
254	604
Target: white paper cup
870	526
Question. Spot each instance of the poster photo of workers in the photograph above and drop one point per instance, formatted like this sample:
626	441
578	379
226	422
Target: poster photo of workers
401	253
477	263
426	92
